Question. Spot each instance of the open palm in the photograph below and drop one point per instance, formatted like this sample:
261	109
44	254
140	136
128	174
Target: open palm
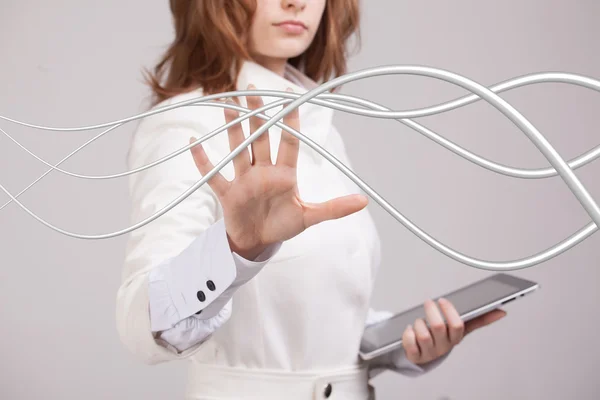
262	205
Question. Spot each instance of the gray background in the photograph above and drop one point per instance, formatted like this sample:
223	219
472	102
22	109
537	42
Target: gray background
71	63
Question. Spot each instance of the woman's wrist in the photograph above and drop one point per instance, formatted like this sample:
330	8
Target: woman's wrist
249	253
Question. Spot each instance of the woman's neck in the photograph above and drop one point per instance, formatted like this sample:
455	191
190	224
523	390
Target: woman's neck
276	65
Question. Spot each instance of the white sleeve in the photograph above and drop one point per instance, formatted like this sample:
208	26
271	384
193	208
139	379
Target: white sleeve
175	244
396	360
184	333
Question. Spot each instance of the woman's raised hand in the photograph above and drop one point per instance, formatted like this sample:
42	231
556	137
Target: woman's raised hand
261	204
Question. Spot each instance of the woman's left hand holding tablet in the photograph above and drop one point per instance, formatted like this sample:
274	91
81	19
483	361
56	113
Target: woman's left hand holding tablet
424	343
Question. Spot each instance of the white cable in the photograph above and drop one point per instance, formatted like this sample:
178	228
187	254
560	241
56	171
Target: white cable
374	110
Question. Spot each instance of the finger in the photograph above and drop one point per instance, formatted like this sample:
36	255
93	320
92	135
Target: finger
484	320
456	326
218	183
289	145
437	327
315	213
409	342
260	147
424	340
241	162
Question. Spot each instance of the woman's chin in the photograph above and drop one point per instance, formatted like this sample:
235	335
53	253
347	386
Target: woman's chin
289	48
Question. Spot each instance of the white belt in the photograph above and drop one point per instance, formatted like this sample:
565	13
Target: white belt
210	382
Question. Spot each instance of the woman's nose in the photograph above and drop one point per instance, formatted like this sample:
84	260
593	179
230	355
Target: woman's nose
297	4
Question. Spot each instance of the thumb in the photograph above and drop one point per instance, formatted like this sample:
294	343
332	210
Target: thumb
484	320
315	213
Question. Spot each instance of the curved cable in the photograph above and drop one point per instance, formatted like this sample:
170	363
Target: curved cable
534	173
543	145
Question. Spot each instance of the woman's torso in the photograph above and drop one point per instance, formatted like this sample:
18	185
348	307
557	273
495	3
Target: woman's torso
305	311
306	308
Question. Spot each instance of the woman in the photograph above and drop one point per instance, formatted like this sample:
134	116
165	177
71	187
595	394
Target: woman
262	277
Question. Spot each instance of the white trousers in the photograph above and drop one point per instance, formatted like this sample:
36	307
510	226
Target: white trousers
210	382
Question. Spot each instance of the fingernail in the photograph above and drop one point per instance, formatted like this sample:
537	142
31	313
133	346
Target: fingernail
251	86
289	89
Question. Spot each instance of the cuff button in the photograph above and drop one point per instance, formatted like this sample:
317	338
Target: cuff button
328	390
198	313
201	296
210	285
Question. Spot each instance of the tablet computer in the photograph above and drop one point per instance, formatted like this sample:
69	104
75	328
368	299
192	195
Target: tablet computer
470	301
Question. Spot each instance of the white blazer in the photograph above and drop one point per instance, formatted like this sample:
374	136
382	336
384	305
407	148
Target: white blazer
296	313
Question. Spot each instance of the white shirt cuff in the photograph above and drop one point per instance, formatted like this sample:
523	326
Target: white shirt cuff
201	279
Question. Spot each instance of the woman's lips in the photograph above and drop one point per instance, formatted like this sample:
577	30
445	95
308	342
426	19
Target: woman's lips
291	27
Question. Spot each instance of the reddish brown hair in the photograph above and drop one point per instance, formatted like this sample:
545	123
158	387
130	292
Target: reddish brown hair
211	39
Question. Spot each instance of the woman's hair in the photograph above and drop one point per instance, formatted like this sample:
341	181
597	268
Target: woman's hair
211	44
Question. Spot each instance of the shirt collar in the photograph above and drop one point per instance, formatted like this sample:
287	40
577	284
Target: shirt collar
315	120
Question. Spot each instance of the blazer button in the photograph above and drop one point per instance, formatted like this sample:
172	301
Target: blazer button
328	390
201	295
210	285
